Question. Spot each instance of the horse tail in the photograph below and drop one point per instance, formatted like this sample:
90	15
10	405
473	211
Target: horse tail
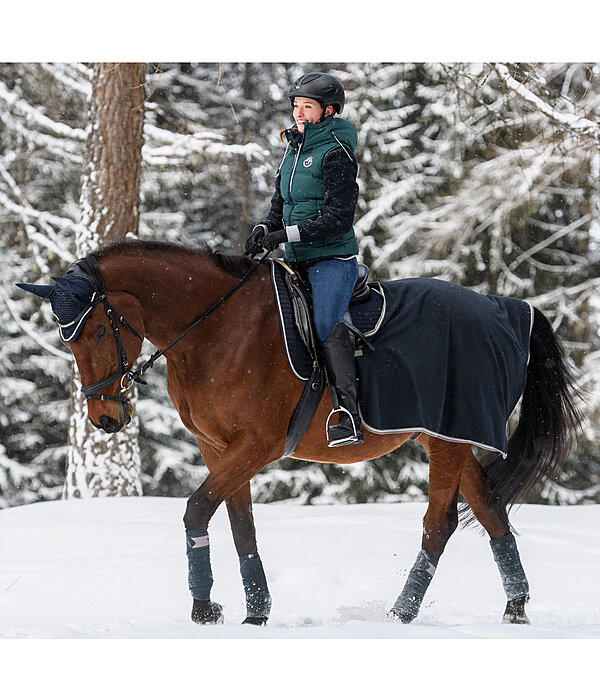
549	420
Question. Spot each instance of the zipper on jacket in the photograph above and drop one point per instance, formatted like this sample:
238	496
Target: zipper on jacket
292	179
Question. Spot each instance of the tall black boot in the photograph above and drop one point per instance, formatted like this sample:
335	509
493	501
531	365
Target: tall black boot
338	352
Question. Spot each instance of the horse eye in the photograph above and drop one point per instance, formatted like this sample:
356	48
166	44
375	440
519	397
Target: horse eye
101	333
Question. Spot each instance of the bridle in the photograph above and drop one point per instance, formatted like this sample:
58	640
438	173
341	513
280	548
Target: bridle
87	269
90	391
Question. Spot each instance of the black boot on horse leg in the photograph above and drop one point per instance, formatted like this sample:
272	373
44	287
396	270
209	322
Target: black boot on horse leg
408	603
513	578
446	463
338	352
504	547
258	598
200	579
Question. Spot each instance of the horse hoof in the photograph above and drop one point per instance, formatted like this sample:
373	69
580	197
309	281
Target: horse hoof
402	614
515	611
258	621
205	612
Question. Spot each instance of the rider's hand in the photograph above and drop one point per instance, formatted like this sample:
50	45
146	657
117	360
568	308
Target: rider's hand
254	240
273	239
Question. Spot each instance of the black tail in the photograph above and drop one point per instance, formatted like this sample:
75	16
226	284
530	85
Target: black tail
548	422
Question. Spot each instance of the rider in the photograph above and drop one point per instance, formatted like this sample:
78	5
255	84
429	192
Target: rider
312	212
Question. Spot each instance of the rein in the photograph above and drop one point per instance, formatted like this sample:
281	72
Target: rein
127	376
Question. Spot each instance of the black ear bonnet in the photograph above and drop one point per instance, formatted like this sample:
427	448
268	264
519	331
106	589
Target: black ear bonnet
73	297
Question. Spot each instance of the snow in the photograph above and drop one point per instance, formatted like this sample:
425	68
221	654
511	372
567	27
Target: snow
116	568
93	597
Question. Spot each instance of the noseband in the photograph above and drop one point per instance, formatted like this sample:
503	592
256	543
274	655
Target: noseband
87	269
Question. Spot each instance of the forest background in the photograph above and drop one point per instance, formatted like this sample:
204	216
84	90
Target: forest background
482	174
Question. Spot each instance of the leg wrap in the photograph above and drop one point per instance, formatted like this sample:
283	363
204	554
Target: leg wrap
409	601
258	599
200	578
508	560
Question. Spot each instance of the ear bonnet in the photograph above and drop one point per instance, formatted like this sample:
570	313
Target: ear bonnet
73	297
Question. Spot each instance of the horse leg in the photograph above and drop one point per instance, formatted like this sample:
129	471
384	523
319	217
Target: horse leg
229	471
446	462
502	541
258	599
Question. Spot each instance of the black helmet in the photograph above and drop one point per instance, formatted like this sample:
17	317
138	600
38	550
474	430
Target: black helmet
321	87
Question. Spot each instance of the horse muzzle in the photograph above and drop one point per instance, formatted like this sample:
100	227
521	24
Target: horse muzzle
109	424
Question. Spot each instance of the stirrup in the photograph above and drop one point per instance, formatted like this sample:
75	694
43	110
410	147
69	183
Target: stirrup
350	439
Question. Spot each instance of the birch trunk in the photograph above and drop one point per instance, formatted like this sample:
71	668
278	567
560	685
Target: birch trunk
99	464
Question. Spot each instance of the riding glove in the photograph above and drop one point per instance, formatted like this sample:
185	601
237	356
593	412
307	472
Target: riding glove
272	239
254	240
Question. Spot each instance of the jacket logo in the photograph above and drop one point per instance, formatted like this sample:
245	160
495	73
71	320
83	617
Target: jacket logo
308	162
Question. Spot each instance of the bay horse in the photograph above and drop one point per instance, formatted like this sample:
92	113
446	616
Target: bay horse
231	385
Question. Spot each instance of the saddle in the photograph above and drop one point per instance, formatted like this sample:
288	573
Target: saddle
294	300
301	299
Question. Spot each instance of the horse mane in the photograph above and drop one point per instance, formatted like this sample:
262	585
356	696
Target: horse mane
236	265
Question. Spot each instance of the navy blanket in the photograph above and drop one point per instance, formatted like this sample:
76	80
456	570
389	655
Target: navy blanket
446	361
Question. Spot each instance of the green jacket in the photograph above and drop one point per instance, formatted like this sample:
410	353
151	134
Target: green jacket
302	191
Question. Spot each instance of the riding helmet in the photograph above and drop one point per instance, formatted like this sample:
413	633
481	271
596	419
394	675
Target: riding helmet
323	87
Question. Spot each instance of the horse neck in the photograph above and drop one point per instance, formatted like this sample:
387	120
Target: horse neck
173	288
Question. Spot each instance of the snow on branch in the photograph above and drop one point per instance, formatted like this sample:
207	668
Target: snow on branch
563	231
25	211
24	108
48	241
579	124
167	146
76	77
30	330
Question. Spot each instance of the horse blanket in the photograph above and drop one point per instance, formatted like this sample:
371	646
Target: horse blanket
446	360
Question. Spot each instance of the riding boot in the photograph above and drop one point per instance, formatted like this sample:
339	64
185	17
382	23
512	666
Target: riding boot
338	353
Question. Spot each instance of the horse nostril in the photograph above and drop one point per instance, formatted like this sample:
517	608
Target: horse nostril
109	424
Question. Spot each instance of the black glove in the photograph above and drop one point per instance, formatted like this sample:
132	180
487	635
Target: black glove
273	239
254	240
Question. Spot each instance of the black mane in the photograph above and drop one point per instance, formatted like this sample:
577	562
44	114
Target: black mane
236	265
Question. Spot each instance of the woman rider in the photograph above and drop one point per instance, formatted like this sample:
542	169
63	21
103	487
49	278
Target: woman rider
312	212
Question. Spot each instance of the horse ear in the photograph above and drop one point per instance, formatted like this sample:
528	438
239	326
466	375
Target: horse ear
40	290
73	285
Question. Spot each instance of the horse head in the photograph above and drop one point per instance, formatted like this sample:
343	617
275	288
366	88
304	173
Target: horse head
104	331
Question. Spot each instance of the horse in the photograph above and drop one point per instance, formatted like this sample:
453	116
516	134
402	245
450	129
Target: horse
230	382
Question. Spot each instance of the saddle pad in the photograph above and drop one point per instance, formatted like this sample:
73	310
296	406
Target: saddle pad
446	361
367	316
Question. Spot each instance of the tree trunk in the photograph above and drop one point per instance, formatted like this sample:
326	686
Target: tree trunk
99	464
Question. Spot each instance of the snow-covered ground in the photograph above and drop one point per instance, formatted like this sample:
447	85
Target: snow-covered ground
116	568
94	603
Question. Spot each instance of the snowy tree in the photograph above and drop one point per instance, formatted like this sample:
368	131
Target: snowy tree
99	464
41	155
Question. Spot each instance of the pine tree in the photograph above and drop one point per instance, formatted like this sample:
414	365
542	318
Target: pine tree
100	464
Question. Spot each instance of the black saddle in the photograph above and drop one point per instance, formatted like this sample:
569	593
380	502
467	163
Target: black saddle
294	302
301	298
